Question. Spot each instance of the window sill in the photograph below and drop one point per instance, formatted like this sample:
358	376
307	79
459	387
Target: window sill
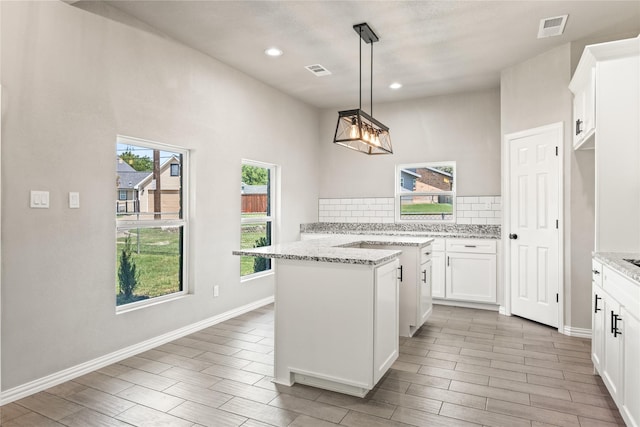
134	306
255	276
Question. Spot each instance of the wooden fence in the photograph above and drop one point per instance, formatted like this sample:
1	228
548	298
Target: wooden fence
254	203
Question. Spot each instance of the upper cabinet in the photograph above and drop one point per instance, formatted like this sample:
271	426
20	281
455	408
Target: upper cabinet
606	86
583	86
595	69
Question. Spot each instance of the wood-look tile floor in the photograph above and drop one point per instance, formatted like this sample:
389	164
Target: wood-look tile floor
464	367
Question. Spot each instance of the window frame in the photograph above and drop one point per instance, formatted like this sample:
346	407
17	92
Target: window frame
126	195
271	218
183	222
398	192
171	167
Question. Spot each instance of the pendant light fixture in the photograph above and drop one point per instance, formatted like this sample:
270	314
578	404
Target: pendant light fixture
356	129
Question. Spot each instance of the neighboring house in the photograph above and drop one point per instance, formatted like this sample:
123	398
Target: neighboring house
408	180
170	186
254	198
127	181
433	180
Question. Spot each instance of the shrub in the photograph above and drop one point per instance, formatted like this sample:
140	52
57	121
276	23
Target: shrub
127	273
260	264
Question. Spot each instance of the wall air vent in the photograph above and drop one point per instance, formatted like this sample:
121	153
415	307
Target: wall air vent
318	70
553	26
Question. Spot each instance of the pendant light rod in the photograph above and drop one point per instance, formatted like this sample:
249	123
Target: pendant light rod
366	33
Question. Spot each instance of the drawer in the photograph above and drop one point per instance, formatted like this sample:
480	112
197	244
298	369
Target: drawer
438	244
425	253
478	246
596	272
622	289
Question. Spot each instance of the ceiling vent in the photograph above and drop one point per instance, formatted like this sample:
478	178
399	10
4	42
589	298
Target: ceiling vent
553	26
318	70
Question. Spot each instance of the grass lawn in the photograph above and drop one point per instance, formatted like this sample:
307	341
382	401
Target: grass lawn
250	233
158	261
426	208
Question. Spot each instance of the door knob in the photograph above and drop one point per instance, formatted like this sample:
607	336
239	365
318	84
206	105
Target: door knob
513	236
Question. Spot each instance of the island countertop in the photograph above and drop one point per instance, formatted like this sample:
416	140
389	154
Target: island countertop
339	249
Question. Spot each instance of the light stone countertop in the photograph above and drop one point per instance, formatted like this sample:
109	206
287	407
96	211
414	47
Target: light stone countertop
463	231
339	249
616	260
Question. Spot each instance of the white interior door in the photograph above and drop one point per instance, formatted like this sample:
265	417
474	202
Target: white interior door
533	224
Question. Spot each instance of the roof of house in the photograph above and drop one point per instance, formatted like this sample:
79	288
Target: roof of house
128	177
410	172
148	183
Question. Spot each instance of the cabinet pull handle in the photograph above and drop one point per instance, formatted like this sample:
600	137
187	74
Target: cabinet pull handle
612	321
596	309
595	271
424	276
427	253
616	332
578	126
447	261
469	246
400	268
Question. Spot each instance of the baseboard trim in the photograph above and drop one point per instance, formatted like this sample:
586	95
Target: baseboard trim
466	304
68	374
503	310
577	332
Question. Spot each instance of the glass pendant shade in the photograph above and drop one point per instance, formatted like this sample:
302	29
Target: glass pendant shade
359	131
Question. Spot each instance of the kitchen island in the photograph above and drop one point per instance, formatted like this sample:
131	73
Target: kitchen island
336	310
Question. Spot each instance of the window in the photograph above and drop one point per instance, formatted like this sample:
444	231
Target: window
257	192
175	169
151	227
122	195
425	192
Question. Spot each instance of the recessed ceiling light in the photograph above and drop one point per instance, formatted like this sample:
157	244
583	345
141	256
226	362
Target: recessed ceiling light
395	85
273	51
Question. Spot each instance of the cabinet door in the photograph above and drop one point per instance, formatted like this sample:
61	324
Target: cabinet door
471	277
597	327
437	275
425	307
630	327
385	319
613	345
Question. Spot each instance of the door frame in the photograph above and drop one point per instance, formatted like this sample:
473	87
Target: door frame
506	220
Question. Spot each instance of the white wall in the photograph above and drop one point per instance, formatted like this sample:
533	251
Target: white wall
535	93
461	127
71	81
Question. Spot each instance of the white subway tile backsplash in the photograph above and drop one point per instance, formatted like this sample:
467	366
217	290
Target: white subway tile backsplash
469	210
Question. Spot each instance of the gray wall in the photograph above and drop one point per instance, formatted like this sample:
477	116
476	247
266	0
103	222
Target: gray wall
535	93
71	81
461	127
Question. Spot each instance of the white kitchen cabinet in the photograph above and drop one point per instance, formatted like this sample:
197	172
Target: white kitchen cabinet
616	338
606	110
630	400
584	106
415	285
597	326
613	346
438	264
336	325
464	270
471	276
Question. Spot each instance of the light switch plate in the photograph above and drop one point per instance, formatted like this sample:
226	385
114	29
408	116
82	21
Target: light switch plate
39	199
74	200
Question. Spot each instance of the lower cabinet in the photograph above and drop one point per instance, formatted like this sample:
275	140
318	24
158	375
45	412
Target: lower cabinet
465	270
615	344
336	325
415	286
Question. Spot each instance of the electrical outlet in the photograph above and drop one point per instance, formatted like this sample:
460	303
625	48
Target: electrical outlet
487	206
216	291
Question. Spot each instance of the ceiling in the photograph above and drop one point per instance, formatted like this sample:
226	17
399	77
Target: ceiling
431	47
